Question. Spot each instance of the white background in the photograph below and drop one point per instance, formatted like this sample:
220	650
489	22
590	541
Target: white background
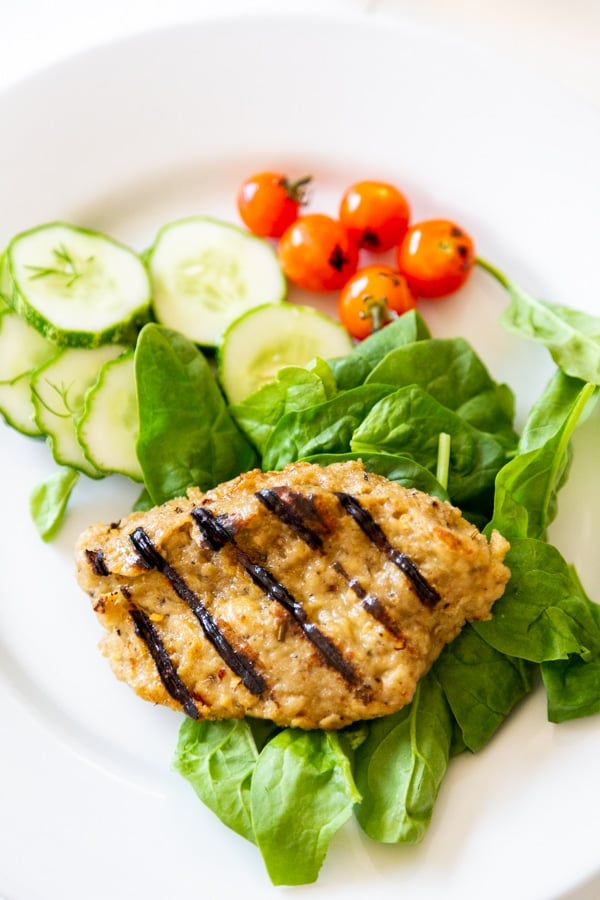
559	39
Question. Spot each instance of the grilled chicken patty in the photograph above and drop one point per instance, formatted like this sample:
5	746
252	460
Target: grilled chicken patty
310	596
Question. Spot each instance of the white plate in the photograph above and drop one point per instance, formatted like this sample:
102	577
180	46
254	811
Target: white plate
125	139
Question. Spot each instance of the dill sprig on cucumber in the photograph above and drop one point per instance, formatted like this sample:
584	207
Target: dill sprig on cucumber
74	302
76	287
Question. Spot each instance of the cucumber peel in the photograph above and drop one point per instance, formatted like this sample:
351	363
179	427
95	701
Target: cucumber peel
58	390
109	424
77	287
22	350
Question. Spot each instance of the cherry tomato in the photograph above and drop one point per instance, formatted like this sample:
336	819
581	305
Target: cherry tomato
373	297
436	257
316	253
269	202
376	215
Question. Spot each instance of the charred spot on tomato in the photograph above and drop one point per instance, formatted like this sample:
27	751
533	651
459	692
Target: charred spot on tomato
370	240
338	259
465	255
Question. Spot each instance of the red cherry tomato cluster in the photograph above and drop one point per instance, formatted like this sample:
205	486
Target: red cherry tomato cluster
319	253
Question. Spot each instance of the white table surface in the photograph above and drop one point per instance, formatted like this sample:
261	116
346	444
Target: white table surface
558	39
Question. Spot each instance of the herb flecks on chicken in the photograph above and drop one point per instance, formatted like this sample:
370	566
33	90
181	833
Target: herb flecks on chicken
312	596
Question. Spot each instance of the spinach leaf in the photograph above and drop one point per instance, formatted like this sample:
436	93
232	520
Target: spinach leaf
352	369
143	502
573	684
294	388
398	468
187	436
322	369
324	428
571	336
562	397
572	687
481	685
525	501
409	422
302	793
400	766
544	613
49	500
451	371
218	759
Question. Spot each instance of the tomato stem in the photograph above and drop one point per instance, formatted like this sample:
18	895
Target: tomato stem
298	190
378	311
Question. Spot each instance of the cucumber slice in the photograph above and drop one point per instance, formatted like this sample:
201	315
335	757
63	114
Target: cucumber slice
16	407
3	303
205	273
109	425
78	288
264	340
58	388
22	350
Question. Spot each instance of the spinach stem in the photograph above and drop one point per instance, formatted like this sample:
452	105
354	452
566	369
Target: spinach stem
492	270
443	459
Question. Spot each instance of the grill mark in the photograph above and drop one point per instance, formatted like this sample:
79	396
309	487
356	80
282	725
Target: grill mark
237	661
370	603
288	510
217	536
97	562
365	521
165	667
